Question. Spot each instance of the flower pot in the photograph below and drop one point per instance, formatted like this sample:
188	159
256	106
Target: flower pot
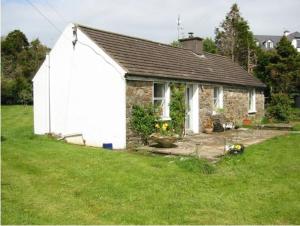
208	130
164	141
246	122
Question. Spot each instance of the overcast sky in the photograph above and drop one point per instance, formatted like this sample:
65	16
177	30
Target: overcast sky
151	19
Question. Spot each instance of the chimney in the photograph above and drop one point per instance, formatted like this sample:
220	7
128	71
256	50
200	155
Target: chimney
192	43
286	33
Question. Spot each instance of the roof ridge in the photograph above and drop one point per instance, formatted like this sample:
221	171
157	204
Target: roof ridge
270	35
129	36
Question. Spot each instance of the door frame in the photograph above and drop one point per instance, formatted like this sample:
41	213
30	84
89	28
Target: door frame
194	107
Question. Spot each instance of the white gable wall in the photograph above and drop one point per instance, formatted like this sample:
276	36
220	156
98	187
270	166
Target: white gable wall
40	99
87	93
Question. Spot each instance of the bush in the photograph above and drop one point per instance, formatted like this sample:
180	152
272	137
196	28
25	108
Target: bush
178	108
143	120
280	107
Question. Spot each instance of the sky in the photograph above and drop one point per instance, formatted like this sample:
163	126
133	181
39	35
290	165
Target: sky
150	19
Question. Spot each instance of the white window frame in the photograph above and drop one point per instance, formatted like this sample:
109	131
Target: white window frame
218	101
252	101
269	44
165	100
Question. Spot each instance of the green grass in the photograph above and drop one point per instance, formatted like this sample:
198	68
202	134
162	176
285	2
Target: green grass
45	181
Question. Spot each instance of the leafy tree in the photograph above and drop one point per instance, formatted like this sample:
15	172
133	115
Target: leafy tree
234	39
14	43
280	69
175	44
20	60
209	45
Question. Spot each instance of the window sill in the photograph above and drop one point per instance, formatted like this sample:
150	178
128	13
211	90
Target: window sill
165	119
221	111
251	112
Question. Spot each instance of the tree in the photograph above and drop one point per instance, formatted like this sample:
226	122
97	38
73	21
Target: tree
14	43
209	45
279	69
20	60
175	44
234	39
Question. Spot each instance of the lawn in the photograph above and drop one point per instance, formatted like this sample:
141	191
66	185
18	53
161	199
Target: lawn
45	181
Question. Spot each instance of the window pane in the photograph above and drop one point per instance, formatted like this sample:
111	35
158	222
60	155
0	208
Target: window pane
251	99
159	106
216	97
159	90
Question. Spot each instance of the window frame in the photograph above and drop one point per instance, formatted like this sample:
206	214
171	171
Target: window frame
252	101
165	99
218	101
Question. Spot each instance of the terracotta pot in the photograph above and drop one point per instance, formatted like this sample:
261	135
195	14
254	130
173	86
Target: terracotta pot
164	141
208	130
246	122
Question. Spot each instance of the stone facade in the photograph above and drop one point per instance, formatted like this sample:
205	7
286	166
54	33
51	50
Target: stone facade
137	92
235	103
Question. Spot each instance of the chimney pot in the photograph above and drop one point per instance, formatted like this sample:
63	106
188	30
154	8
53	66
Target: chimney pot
191	34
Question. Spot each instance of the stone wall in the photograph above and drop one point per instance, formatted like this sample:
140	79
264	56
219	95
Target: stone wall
137	92
235	103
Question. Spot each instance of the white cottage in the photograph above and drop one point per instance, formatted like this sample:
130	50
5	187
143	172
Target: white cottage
91	78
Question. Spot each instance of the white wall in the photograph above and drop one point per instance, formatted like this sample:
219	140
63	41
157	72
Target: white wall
294	43
87	92
40	99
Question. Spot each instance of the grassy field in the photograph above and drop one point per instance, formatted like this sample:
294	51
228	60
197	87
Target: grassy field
45	181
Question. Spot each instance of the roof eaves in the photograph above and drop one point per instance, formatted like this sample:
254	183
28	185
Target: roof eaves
166	77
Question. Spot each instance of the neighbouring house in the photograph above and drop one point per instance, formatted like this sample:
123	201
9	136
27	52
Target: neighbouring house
91	79
269	42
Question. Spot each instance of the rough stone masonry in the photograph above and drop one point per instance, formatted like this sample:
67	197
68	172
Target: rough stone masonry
235	103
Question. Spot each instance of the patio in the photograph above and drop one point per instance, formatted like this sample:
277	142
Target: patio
211	146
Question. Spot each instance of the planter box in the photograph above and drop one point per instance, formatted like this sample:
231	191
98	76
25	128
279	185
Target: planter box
164	141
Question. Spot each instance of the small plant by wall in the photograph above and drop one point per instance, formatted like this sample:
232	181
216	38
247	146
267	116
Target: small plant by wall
178	108
280	107
143	120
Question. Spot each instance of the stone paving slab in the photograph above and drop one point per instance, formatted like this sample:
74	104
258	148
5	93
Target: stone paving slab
211	146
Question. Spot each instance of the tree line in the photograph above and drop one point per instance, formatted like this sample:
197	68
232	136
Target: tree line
279	68
20	60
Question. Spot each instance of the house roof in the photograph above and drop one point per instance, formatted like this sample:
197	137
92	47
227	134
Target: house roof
294	35
263	38
144	58
275	38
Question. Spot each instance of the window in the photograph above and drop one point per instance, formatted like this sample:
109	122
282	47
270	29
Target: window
269	44
252	102
161	98
218	98
298	43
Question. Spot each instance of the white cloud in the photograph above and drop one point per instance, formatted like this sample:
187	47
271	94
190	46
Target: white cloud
151	19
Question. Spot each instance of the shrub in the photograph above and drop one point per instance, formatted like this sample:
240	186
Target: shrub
280	107
143	120
178	108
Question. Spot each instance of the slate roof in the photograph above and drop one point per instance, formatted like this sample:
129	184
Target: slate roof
275	38
144	58
294	35
263	38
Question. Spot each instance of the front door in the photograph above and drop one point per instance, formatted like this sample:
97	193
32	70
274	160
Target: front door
189	105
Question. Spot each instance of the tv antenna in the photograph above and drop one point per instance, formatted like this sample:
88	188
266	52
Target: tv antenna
179	28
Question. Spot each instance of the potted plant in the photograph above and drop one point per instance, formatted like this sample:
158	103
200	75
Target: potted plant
164	136
208	125
246	122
